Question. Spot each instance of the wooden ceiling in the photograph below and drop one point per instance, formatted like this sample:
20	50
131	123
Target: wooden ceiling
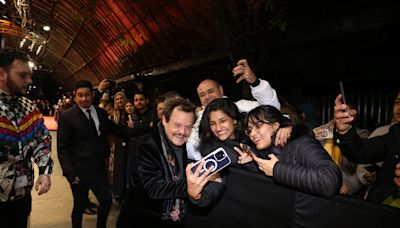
97	39
131	39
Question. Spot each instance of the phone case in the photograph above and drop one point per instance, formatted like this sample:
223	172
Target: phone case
218	158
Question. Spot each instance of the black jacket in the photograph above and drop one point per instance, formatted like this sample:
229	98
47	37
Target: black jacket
383	148
304	165
151	184
80	150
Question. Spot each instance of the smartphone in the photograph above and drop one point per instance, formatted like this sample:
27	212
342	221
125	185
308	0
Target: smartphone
342	92
218	159
247	150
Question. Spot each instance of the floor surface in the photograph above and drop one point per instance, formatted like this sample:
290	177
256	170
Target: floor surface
53	209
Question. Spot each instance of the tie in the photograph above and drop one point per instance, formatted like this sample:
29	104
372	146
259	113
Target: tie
91	120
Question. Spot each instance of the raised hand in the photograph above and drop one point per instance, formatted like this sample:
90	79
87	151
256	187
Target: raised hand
243	72
245	154
343	116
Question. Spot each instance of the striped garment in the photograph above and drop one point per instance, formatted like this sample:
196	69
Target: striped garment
23	136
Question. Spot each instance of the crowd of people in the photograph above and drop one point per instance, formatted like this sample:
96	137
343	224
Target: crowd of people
123	149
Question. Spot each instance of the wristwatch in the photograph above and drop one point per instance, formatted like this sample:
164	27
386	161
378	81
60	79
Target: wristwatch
256	83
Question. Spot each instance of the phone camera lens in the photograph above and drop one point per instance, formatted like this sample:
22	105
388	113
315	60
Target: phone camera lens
219	155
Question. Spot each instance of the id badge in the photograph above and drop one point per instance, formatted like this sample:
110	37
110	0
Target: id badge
21	181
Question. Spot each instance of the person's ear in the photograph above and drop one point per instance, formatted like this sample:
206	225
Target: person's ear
163	120
276	126
222	90
3	74
234	122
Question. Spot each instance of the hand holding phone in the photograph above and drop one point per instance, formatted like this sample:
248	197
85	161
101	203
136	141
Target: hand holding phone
343	96
246	153
218	159
247	150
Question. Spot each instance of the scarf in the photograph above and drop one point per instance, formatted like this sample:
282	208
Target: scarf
173	209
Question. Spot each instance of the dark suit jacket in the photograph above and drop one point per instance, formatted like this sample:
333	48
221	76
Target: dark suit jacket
80	150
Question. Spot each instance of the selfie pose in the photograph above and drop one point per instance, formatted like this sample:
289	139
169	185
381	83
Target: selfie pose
157	196
302	164
221	127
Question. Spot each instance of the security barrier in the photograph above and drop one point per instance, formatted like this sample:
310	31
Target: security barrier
253	200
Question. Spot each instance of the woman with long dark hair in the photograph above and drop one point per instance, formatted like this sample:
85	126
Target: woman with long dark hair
220	126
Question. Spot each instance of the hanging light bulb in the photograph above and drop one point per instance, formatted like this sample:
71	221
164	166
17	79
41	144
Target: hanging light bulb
31	46
38	50
22	43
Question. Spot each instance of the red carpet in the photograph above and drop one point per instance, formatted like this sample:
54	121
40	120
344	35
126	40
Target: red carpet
50	123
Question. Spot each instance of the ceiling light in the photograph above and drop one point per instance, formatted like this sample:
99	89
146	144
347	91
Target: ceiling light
38	50
31	65
3	1
46	28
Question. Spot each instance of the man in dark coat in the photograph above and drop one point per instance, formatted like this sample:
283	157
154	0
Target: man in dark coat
82	149
157	195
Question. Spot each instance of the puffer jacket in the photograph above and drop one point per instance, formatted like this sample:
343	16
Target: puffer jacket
305	166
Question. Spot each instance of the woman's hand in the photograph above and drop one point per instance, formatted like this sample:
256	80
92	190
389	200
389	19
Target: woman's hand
267	166
196	183
245	154
282	136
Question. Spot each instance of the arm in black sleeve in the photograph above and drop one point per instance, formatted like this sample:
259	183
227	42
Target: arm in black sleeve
362	150
64	147
140	129
311	170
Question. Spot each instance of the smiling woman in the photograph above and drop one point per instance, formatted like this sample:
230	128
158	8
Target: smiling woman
302	164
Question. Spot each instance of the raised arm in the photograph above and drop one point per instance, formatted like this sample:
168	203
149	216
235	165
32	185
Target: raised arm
260	89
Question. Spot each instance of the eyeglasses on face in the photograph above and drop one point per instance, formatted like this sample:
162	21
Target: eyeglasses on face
257	125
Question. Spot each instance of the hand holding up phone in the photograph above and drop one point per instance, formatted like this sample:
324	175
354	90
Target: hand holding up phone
245	152
195	180
243	72
343	118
